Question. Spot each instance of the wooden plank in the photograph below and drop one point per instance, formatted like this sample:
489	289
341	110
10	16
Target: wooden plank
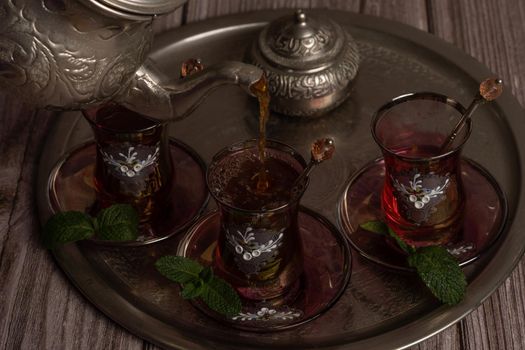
202	9
40	309
168	21
449	339
490	31
411	12
14	134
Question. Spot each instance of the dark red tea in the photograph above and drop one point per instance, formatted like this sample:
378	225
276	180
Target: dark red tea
242	191
422	199
132	163
259	250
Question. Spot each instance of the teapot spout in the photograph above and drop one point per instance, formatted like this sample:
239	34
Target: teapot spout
172	100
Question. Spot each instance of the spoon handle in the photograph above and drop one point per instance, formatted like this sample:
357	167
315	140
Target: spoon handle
306	172
489	90
476	102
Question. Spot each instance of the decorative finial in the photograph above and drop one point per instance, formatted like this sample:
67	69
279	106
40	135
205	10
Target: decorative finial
300	16
191	66
491	88
322	149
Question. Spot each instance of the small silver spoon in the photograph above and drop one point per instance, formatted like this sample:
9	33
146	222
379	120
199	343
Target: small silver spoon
489	90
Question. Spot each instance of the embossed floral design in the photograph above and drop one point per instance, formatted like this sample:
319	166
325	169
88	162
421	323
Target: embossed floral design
415	192
267	314
245	245
61	54
129	165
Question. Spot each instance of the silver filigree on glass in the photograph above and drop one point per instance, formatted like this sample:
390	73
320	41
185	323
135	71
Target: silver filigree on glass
268	314
129	163
254	248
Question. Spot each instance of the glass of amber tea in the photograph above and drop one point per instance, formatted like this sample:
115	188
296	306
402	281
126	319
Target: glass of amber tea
422	198
259	249
133	162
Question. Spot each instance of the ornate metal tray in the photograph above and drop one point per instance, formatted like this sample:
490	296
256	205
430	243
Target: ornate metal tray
380	309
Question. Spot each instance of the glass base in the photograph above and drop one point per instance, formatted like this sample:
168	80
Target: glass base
484	218
326	272
71	187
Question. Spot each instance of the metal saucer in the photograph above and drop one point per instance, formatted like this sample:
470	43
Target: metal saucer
485	215
71	187
326	272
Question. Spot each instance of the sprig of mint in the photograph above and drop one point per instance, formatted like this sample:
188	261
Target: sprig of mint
119	222
198	281
438	269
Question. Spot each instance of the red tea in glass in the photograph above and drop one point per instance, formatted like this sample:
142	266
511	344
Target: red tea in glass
422	199
259	249
133	160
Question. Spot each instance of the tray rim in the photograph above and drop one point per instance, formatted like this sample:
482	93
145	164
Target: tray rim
402	337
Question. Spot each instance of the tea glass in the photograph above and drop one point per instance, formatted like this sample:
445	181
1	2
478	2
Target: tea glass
133	161
422	197
259	249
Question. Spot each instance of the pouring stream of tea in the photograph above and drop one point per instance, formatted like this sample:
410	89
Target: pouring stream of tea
260	90
489	90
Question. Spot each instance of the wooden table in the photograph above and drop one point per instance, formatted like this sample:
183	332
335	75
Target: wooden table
41	309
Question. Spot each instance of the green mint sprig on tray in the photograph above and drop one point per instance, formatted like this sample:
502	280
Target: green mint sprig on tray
119	222
198	281
438	269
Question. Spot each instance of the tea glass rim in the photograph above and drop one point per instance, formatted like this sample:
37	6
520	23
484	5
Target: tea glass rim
251	143
424	95
86	113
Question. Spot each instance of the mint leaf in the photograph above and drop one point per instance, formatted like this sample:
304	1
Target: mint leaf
402	244
192	290
199	281
179	269
65	227
206	275
375	226
440	272
120	222
435	266
221	297
381	228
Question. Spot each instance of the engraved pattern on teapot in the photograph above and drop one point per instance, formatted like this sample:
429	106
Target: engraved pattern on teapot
74	54
59	53
300	47
313	85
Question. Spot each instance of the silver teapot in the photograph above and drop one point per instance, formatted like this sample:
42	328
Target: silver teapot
73	54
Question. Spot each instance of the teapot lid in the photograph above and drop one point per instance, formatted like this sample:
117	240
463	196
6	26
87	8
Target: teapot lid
135	9
301	43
